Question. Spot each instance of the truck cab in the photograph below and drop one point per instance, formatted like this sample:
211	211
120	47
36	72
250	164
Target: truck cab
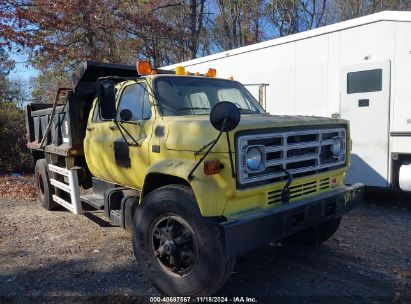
193	166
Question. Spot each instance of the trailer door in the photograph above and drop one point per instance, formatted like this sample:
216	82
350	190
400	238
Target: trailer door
365	94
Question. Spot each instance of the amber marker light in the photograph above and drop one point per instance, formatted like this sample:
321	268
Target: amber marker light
180	70
211	73
143	67
197	74
212	167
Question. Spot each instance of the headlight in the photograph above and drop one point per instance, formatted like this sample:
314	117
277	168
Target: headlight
255	158
337	148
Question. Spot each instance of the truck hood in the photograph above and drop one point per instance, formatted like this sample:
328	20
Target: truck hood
190	133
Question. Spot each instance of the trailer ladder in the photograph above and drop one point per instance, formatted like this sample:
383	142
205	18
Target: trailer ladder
72	188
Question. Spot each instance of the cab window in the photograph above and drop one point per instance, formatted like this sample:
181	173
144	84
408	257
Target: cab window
135	99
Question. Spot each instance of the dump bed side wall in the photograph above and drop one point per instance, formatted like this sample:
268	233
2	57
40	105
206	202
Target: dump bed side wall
67	128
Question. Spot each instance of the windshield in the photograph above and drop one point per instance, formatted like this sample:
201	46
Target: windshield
178	96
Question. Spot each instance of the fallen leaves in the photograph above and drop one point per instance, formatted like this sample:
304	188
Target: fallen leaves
18	187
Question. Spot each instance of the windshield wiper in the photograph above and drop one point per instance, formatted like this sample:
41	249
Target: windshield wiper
193	108
248	111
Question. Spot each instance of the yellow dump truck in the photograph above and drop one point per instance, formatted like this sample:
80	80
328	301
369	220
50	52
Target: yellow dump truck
192	165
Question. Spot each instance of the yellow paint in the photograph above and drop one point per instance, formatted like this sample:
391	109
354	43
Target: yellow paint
216	195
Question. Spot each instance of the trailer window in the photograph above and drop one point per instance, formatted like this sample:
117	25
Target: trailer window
135	99
364	81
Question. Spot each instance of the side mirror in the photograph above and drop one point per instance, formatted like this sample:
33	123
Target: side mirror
225	117
225	110
126	115
107	99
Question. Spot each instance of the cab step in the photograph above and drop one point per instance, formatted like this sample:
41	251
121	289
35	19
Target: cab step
94	200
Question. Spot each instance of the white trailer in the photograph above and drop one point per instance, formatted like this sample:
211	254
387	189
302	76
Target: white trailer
359	69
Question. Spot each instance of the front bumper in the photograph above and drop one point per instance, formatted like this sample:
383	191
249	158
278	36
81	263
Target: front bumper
249	232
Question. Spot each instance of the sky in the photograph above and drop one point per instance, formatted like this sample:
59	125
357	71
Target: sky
23	71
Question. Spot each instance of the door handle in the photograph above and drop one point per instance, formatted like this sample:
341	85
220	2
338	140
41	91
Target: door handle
112	128
90	129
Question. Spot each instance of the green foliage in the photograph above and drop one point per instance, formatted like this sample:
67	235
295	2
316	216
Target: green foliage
14	155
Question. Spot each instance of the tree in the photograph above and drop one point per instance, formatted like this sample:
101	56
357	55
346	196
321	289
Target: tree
349	9
14	154
59	34
6	64
293	16
238	23
8	92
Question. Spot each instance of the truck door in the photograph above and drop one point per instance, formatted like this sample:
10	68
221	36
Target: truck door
118	152
130	136
365	95
98	144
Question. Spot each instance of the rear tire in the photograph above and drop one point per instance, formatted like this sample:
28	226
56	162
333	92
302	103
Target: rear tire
177	248
45	190
314	235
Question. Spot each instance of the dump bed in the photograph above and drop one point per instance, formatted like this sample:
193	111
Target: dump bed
68	125
65	133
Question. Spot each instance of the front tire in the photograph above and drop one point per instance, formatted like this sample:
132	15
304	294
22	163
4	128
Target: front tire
45	190
177	248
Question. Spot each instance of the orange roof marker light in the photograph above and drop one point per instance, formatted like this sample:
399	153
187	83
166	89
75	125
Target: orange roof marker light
211	73
197	74
143	67
180	70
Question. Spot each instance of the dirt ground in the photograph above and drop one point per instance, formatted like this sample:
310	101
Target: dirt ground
60	257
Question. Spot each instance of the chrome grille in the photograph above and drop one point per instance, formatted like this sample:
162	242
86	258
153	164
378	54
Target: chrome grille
299	152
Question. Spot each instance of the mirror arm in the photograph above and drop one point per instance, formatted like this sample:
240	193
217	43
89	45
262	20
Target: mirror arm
203	147
121	128
231	156
211	144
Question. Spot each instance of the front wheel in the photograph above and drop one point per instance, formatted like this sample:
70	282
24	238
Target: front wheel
176	246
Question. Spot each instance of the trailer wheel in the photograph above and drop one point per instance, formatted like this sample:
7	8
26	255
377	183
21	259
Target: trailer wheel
314	235
177	248
44	189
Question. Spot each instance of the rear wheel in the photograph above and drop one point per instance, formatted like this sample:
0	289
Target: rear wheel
316	234
176	246
45	190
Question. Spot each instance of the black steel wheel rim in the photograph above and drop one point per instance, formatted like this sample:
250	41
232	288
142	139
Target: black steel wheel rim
174	244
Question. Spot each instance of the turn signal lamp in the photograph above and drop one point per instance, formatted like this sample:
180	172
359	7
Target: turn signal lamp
212	167
143	67
211	73
180	70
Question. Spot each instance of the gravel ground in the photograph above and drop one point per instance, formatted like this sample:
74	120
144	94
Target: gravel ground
59	257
